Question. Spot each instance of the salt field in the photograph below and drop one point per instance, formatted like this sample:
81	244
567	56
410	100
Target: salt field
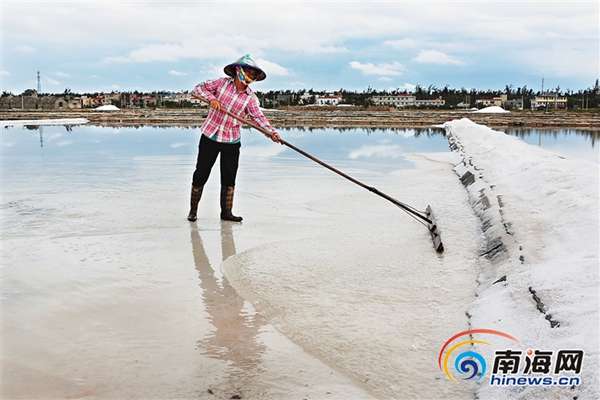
324	291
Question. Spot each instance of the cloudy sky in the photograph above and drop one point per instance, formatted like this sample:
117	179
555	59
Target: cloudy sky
147	45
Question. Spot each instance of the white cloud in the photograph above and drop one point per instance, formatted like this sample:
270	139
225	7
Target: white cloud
549	62
52	81
116	60
272	68
62	74
436	57
177	145
177	73
178	51
328	50
401	43
25	49
307	29
4	72
384	79
54	136
383	69
377	151
212	70
264	151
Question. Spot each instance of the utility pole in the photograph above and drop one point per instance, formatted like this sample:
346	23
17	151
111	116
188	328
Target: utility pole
542	85
39	84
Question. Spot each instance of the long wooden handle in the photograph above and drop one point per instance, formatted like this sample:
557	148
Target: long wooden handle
403	206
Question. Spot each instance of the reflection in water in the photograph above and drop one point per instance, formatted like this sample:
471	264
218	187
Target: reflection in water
40	129
418	131
103	144
234	338
591	135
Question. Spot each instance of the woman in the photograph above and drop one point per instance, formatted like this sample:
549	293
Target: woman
221	133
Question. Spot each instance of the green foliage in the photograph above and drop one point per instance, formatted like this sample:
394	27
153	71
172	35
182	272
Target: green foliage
582	98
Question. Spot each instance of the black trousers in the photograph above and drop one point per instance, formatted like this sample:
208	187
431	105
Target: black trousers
208	150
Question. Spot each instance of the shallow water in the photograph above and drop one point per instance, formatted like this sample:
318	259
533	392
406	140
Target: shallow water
575	143
107	291
364	290
358	144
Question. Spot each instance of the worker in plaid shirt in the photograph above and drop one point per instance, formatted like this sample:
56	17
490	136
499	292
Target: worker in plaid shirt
221	133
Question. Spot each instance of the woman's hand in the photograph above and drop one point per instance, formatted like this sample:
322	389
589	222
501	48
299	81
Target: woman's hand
215	104
275	137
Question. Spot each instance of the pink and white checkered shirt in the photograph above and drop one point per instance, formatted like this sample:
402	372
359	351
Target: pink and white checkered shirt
220	126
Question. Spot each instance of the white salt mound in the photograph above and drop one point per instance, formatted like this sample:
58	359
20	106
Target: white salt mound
108	107
545	210
492	110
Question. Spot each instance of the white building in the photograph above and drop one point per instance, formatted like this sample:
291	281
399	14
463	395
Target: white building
400	100
180	97
549	100
494	101
439	102
328	100
306	98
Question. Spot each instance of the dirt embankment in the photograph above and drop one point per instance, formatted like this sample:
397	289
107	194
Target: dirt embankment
325	118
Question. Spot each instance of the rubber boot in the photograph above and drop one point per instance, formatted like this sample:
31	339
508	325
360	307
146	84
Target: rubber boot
227	204
194	199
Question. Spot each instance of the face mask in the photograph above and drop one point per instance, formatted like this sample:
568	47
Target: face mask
242	77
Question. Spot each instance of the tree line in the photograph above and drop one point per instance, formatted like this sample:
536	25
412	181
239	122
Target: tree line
582	98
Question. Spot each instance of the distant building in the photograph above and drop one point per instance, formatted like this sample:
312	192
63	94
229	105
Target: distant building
491	101
278	100
111	98
67	102
439	102
24	102
87	101
485	102
46	102
41	102
180	98
328	100
399	100
149	100
514	104
549	100
406	100
306	98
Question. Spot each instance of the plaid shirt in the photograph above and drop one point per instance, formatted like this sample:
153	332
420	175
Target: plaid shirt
220	126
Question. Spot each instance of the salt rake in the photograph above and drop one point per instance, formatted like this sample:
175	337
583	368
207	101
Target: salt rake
427	218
